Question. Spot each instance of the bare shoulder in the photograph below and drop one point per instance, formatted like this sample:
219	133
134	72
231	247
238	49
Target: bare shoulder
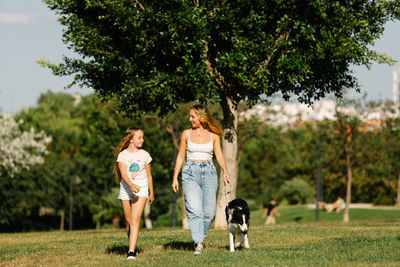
184	135
215	137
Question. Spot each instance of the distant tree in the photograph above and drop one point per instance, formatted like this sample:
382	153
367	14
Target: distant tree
108	209
21	158
387	155
58	115
19	150
296	191
346	131
153	55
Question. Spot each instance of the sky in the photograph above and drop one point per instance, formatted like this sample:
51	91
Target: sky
29	30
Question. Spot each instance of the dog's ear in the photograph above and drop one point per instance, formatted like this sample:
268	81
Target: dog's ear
247	212
226	213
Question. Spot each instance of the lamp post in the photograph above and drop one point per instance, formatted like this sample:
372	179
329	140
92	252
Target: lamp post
73	182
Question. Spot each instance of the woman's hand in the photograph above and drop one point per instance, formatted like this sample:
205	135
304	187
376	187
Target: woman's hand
175	185
151	199
227	178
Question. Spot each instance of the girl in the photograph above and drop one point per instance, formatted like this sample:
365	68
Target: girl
199	177
132	169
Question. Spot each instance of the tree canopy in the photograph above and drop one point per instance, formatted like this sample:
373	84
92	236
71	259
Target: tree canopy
153	55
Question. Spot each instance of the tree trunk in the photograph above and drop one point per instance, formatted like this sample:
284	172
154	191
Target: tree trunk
229	149
62	220
185	221
116	219
348	191
146	214
398	192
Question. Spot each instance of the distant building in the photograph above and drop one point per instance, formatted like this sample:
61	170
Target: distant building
293	114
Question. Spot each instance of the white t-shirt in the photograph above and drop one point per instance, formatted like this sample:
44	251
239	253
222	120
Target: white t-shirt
135	165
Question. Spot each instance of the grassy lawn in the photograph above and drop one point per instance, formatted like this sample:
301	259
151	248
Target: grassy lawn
289	243
301	214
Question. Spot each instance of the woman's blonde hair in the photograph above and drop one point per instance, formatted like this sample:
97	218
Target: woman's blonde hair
205	119
130	133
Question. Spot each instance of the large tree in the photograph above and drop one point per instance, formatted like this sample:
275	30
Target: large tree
154	55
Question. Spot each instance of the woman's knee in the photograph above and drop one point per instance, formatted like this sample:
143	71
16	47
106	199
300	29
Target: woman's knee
209	214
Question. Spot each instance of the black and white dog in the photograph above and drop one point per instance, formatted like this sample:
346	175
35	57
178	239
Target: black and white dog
238	216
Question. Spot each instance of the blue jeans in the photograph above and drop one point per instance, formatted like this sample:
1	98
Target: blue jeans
200	183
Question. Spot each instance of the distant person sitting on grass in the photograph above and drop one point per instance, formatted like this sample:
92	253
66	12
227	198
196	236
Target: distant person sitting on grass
338	205
270	212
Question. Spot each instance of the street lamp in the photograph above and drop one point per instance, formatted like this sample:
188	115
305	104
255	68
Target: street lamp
73	182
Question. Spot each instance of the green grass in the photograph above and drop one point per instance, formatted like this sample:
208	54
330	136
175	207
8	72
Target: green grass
301	214
359	243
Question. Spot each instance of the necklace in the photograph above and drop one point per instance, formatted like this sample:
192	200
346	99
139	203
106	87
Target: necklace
199	132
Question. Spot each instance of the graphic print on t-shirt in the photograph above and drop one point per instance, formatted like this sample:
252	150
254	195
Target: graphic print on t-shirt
134	167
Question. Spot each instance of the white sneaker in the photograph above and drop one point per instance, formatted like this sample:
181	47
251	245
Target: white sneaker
198	250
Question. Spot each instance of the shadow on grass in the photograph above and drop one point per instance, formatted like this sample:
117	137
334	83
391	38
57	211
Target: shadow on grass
179	245
120	250
298	218
227	248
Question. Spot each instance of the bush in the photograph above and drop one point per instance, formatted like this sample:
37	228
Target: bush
296	191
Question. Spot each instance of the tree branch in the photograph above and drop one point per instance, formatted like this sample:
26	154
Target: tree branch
165	126
140	5
283	36
214	72
170	130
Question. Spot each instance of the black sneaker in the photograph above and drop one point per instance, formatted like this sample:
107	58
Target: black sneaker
131	255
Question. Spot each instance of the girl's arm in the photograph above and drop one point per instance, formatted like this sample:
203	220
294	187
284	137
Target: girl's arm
179	161
150	183
124	175
220	158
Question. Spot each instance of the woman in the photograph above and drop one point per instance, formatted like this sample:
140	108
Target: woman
199	176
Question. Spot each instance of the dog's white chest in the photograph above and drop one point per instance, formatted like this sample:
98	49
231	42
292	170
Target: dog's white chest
233	228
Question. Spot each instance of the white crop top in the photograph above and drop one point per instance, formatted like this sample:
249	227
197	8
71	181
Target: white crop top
199	151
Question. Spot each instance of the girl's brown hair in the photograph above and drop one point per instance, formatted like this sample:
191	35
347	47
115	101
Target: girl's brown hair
130	132
205	119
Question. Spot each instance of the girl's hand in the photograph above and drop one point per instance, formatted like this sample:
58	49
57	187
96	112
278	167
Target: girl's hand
227	178
175	186
151	199
135	188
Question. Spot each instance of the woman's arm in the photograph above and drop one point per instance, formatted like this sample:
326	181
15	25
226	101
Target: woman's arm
124	175
150	183
220	158
179	161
